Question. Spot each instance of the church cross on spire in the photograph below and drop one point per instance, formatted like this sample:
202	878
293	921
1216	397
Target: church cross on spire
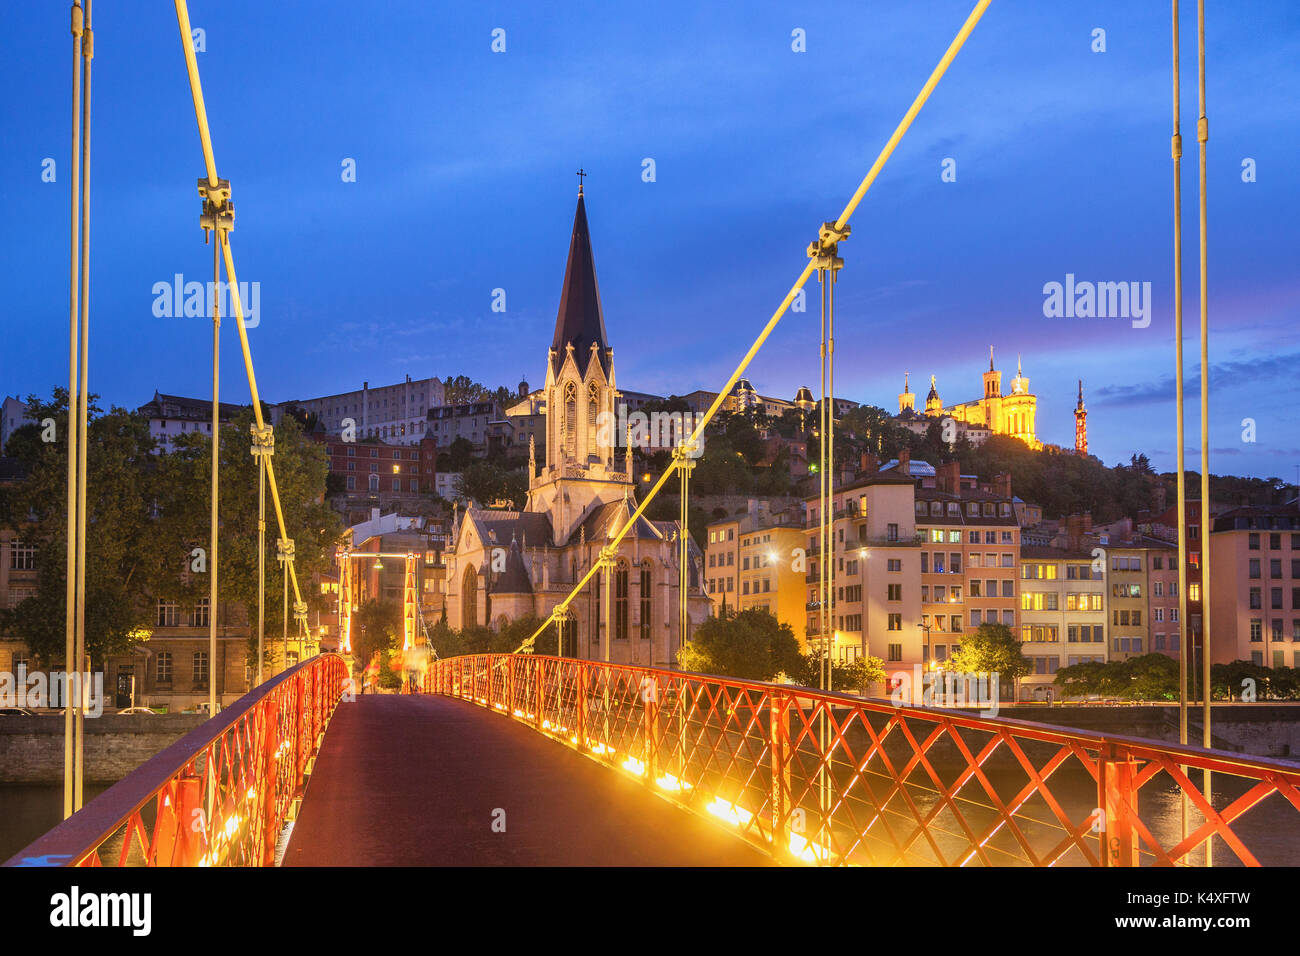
581	174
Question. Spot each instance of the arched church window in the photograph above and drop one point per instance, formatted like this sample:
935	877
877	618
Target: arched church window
571	418
593	402
645	595
620	601
469	599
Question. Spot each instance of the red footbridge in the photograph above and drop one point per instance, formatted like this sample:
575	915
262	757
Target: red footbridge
530	760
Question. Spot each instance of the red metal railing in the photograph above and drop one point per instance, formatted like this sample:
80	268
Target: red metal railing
831	778
220	795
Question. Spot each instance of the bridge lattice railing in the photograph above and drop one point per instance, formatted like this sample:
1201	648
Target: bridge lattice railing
219	796
838	779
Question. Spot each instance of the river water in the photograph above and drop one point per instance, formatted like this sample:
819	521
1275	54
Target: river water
28	810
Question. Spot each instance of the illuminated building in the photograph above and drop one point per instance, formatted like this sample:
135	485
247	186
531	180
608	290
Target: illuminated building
994	413
504	565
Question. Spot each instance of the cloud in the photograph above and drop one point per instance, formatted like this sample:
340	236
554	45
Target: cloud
1250	371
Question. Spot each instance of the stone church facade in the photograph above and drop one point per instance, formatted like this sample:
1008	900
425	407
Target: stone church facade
504	565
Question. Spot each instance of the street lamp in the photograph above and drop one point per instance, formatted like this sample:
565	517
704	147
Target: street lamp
929	654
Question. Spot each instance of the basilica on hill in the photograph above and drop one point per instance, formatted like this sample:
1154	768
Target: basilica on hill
504	565
993	413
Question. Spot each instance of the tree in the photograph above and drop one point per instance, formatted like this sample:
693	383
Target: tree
301	470
750	644
992	649
486	482
1089	679
129	556
1151	677
457	456
377	627
462	390
1148	677
855	677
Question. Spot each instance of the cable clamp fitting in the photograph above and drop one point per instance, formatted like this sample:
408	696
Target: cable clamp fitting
823	251
1176	146
684	454
1203	130
284	549
263	440
218	210
300	612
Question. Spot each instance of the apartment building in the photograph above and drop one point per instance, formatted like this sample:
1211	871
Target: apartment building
1062	614
171	416
768	556
18	577
483	424
876	601
751	560
394	413
13	415
1126	599
1255	585
970	557
1162	600
1166	525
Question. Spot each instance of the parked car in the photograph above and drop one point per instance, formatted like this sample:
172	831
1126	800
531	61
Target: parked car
137	710
16	712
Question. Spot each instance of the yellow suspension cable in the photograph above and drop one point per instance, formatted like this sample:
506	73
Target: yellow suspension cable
205	137
83	401
936	74
1185	646
74	353
1202	136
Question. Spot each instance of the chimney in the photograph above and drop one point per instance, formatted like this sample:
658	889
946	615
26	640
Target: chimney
905	462
869	464
1002	485
948	477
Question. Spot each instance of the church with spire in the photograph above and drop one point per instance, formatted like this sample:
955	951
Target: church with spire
993	413
504	565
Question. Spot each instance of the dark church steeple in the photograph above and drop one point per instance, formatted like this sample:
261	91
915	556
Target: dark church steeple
580	322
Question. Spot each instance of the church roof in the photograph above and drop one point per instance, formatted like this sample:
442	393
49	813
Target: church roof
499	528
514	579
580	321
607	518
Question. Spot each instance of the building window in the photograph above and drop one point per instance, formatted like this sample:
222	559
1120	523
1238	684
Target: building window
896	624
169	614
164	667
201	668
895	652
199	617
22	557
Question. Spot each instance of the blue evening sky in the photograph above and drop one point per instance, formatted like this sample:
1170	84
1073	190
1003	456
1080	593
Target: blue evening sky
465	165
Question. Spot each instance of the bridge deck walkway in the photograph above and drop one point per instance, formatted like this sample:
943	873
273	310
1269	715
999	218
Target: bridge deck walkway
415	781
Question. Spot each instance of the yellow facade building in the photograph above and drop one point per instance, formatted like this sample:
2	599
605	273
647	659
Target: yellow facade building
753	561
995	413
